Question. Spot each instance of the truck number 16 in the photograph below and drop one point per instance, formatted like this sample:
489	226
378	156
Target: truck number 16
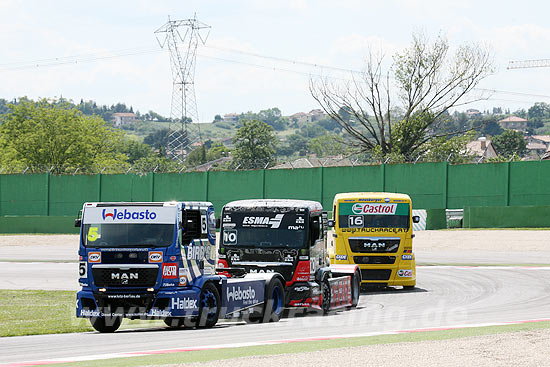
355	221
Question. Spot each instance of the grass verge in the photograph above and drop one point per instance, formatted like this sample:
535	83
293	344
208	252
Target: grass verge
32	312
300	347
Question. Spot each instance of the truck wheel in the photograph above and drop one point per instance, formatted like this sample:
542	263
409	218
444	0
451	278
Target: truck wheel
325	291
106	324
174	322
209	306
355	289
274	301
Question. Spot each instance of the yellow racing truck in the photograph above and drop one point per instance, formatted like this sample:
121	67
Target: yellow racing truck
374	230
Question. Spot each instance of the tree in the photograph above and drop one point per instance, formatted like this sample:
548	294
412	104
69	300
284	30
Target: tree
135	150
158	139
254	145
196	157
487	125
428	80
327	145
47	134
510	144
216	151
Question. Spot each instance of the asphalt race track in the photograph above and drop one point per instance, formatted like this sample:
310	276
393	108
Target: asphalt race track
446	296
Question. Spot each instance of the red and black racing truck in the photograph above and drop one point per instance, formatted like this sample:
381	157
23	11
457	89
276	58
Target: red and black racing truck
286	237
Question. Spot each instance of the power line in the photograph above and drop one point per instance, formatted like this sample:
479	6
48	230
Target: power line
88	57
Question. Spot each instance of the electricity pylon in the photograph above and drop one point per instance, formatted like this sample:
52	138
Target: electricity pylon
182	38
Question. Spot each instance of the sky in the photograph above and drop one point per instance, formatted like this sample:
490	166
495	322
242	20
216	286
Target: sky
258	54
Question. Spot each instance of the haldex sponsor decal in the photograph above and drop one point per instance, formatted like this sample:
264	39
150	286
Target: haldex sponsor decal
115	214
364	208
185	303
90	313
236	293
274	222
170	271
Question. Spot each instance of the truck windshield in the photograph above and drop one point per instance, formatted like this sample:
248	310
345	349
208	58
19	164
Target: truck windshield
264	229
128	235
373	215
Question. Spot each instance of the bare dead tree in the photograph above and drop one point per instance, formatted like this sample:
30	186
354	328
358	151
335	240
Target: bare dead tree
428	81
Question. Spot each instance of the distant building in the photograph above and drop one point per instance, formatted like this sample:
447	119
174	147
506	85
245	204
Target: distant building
514	123
228	142
124	118
311	162
231	117
311	116
300	117
538	144
317	114
482	148
472	112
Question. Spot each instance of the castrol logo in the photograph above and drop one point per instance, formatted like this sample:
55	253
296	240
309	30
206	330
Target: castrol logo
364	208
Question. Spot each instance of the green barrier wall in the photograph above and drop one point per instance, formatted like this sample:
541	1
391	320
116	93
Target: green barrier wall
436	219
507	217
38	224
430	185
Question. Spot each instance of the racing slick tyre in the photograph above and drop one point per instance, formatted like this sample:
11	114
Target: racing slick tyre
355	289
209	306
326	293
274	301
106	324
174	322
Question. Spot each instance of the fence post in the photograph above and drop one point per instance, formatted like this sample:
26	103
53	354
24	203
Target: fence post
207	184
383	168
99	187
263	184
153	186
446	186
507	183
322	184
48	194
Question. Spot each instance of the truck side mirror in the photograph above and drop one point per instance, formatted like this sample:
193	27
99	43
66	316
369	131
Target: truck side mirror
191	225
218	223
330	223
77	222
315	230
416	219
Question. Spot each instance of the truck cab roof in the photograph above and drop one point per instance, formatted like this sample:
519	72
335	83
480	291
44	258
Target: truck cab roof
371	195
191	205
263	204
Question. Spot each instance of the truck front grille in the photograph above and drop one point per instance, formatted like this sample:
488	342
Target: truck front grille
374	259
375	274
370	245
132	277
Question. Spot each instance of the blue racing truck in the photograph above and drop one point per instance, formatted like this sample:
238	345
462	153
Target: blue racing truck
157	261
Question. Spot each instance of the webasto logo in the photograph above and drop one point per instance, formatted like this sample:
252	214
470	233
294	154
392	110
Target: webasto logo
119	214
237	294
